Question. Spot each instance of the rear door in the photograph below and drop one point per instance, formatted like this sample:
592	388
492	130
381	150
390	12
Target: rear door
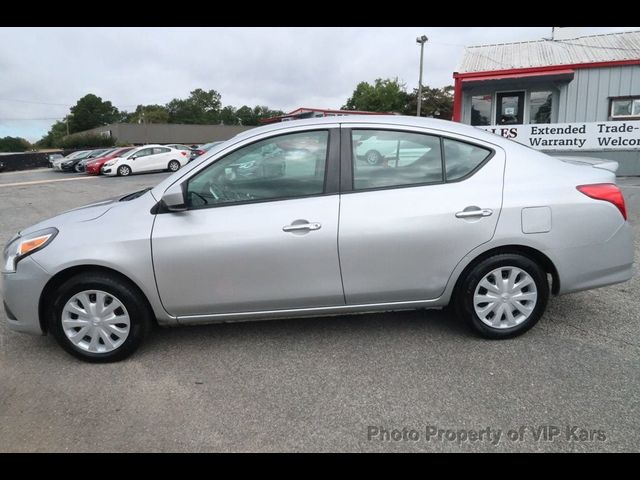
142	160
405	225
161	157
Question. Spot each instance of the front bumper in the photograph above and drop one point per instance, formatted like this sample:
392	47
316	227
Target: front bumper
107	170
21	294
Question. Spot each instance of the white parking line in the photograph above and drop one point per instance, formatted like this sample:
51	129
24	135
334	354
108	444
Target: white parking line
36	182
43	169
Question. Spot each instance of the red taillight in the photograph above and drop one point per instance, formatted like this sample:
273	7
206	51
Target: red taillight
184	154
608	192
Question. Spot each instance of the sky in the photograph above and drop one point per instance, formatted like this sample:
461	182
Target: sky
44	71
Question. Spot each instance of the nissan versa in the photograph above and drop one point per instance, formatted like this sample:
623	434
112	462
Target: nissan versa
287	220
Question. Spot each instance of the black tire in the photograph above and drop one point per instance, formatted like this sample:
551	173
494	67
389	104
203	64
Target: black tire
173	166
373	157
463	297
124	170
125	292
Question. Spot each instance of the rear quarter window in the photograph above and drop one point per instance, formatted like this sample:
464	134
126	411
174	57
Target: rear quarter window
462	158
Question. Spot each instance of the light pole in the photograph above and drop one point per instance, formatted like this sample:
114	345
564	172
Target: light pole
421	40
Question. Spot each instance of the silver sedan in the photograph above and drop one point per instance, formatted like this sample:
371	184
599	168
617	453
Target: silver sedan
287	220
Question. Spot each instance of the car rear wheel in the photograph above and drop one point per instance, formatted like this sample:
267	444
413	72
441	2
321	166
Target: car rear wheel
174	166
124	170
98	318
373	157
503	296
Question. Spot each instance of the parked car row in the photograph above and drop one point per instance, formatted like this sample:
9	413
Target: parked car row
123	161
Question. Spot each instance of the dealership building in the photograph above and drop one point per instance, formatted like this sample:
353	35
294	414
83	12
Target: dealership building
143	133
565	95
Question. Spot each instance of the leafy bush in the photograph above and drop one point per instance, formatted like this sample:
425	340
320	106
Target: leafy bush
88	140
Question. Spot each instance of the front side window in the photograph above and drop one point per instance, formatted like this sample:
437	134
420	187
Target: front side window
462	158
389	158
142	153
540	104
628	107
481	110
286	166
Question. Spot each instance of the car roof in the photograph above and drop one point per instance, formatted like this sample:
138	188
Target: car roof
396	120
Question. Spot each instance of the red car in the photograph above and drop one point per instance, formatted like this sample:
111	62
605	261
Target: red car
93	167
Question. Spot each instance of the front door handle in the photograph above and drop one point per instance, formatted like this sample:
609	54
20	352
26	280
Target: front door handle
296	227
476	212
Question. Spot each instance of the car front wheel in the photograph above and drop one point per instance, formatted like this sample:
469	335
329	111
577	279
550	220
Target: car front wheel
124	170
98	317
503	296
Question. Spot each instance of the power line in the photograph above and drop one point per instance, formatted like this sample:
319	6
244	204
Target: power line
34	102
27	119
564	42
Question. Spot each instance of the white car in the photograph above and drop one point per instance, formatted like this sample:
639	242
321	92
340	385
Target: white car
148	158
375	148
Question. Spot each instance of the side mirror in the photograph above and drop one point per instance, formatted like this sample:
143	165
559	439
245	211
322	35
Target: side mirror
174	198
133	157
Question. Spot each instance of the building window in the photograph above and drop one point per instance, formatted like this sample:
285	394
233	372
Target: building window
540	107
627	107
481	110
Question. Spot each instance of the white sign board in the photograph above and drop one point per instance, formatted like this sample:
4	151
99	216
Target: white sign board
573	136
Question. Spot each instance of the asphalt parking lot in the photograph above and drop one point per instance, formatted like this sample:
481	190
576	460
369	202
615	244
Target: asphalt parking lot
325	384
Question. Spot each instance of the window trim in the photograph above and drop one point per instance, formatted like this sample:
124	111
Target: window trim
623	117
349	161
331	175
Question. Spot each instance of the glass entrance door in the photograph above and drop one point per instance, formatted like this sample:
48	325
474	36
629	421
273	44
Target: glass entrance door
510	108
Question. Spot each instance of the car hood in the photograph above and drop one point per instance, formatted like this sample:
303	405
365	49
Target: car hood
80	214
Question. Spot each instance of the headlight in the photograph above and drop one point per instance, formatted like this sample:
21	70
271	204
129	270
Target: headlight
21	247
109	163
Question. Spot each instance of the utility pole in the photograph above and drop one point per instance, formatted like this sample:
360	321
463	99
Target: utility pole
421	40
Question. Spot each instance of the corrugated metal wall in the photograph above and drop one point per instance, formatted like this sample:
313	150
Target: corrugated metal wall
586	98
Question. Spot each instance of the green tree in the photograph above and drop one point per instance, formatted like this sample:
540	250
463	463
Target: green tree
385	95
228	115
436	102
246	116
54	136
14	144
149	114
201	107
90	112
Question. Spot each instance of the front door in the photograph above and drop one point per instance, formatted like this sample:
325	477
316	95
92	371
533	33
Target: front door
404	227
260	232
510	108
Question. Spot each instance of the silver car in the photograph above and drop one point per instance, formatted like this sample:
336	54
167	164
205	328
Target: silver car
477	223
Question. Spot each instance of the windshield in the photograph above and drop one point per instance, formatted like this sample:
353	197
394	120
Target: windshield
73	155
121	152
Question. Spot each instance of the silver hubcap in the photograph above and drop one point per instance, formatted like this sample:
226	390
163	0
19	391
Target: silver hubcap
124	170
95	321
174	166
505	297
372	158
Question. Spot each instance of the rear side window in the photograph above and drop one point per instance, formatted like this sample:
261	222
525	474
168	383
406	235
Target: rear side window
158	150
462	158
392	158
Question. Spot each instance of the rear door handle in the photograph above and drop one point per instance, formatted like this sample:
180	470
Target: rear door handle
302	226
476	212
